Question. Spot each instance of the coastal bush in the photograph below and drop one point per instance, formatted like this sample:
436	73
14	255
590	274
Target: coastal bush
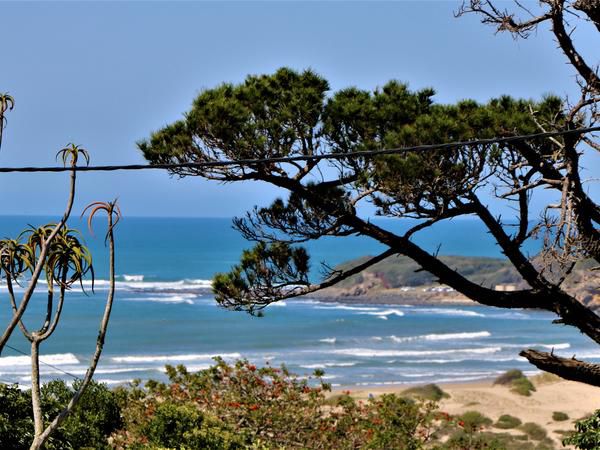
534	431
474	420
559	416
506	421
518	382
431	392
508	377
240	406
95	417
522	386
587	433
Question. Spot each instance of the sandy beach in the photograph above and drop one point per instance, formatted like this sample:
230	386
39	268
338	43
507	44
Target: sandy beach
552	394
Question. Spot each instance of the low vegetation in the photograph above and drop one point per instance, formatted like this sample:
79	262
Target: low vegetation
241	406
400	271
559	416
430	392
518	383
534	431
587	434
506	422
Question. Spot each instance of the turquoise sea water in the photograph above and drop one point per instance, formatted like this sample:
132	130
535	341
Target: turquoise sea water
160	317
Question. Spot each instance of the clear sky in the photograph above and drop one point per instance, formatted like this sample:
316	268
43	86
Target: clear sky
106	74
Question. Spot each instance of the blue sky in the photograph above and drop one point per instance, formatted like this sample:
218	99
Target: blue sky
106	74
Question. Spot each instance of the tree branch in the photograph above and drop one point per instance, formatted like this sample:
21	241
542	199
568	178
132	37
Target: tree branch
569	369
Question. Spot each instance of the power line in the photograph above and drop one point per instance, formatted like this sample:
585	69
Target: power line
284	159
44	363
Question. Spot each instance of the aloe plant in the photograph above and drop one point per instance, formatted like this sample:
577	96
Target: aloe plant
7	103
58	252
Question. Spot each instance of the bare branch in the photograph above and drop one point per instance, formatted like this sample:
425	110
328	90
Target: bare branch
570	369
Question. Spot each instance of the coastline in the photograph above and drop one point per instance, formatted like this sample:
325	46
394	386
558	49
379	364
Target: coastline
426	295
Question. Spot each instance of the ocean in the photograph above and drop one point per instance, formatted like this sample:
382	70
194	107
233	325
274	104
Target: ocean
164	315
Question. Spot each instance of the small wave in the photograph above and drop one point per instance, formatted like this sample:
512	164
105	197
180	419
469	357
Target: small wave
56	359
459	360
442	336
450	312
182	298
192	368
348	308
385	313
328	340
590	354
366	352
133	277
112	382
326	365
280	304
139	285
560	346
166	358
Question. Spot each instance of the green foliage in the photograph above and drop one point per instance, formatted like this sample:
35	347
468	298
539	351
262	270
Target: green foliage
522	386
290	113
559	416
275	266
474	420
16	418
518	382
534	431
506	421
242	406
430	392
508	377
96	416
587	433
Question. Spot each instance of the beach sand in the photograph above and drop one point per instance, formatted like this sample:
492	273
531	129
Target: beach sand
552	394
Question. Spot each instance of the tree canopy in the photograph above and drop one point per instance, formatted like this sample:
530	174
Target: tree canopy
293	113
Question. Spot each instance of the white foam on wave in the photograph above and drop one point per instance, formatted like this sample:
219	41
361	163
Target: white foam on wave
588	355
153	286
56	359
459	360
133	277
328	340
560	346
326	365
449	312
192	368
348	308
442	336
180	298
385	313
280	304
371	353
167	358
112	382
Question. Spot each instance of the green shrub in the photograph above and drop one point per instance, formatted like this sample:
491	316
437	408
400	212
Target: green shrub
559	416
242	406
507	421
430	392
474	420
587	433
518	382
508	377
522	386
534	431
94	418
